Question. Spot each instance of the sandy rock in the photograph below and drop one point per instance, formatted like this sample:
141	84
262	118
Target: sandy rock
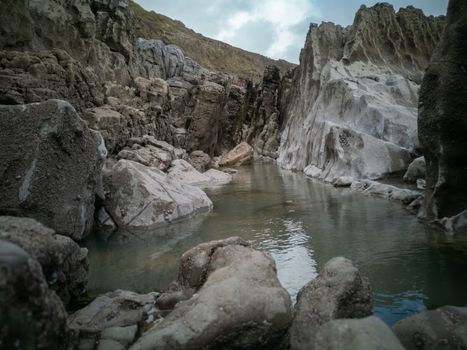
32	316
240	155
139	197
50	166
339	291
443	328
235	301
368	333
63	262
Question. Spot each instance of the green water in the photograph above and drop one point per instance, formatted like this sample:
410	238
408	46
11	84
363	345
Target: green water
302	223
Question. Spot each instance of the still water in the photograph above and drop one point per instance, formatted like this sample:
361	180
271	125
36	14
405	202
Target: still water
302	223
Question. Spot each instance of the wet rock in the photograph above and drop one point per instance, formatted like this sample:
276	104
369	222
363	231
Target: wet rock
63	262
339	291
386	191
442	120
50	166
242	154
235	301
105	224
217	177
139	197
352	104
112	320
443	328
366	333
32	316
416	170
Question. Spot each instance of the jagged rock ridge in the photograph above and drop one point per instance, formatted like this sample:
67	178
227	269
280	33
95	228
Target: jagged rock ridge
353	102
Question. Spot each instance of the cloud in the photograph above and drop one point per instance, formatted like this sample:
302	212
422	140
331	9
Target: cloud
282	15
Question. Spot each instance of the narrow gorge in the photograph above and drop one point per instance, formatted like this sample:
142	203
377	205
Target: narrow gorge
163	190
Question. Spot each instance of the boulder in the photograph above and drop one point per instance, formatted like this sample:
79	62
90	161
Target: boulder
63	262
443	328
31	315
368	333
386	191
200	160
442	120
186	173
217	177
112	320
416	170
50	166
234	301
240	155
139	197
339	291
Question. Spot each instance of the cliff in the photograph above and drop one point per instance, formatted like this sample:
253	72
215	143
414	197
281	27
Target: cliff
353	102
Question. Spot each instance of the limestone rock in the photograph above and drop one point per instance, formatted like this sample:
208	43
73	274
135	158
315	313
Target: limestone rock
443	328
63	262
242	154
50	166
416	170
352	104
368	333
200	160
386	191
442	120
139	197
339	291
235	301
32	316
217	177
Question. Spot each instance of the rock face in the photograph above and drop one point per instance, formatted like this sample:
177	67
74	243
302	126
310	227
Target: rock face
50	166
139	197
112	320
444	328
353	101
234	301
32	316
366	333
442	120
339	291
63	262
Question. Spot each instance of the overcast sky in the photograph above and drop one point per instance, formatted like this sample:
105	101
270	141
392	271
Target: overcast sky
274	28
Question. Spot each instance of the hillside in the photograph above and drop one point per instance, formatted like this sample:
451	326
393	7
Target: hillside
212	54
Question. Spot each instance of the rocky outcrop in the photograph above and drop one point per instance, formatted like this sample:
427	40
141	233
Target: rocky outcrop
50	166
234	301
442	120
141	198
32	316
366	333
112	320
339	291
443	328
353	101
63	262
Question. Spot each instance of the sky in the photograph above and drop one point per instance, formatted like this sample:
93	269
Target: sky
273	28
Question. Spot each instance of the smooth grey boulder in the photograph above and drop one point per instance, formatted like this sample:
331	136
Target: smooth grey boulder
234	301
339	291
186	173
50	166
112	320
368	333
31	315
442	120
443	328
64	263
416	170
139	197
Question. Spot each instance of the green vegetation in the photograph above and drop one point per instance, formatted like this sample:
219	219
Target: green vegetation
212	54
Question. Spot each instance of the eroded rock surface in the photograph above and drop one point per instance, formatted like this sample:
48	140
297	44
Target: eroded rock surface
233	300
339	291
50	164
443	121
353	101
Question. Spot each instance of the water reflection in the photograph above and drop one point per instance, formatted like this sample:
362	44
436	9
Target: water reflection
302	224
